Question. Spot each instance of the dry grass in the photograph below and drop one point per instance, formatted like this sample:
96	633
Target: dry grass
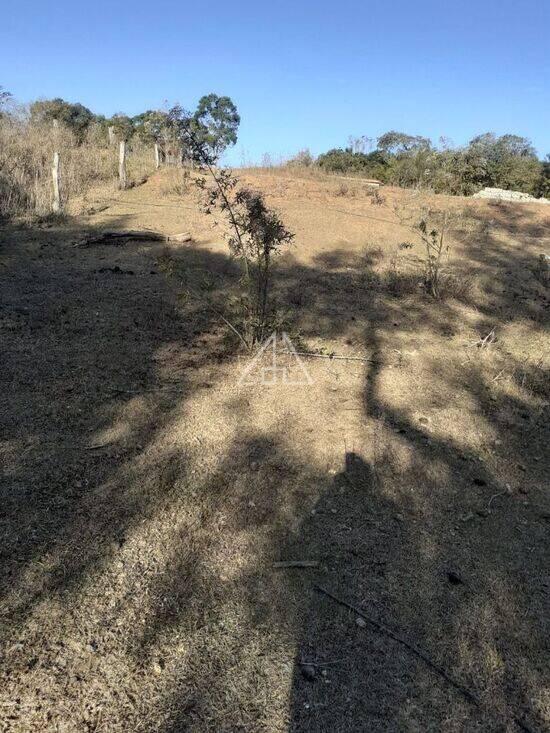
137	589
176	182
26	155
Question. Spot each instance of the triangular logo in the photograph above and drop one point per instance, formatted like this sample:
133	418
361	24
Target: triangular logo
276	362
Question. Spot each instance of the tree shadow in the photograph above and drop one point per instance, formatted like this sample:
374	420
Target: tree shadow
456	566
98	354
100	485
430	534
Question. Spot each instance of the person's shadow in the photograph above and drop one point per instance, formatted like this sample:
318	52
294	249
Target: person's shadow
351	676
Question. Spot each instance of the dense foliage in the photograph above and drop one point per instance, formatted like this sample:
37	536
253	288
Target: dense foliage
74	116
508	161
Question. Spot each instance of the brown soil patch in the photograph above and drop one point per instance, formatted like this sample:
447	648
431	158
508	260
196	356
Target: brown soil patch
145	493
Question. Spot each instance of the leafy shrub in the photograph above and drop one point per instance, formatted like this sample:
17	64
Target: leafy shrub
346	161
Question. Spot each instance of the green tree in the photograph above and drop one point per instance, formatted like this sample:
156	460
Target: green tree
215	123
122	124
5	97
509	161
255	233
399	143
543	187
151	126
74	116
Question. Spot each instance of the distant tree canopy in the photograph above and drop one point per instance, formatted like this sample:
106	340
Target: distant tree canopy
214	123
151	126
5	96
122	125
399	143
544	183
508	161
344	160
74	116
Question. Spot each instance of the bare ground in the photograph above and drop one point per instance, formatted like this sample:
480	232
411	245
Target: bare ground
146	494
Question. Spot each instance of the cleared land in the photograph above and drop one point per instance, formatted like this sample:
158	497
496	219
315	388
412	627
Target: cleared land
146	494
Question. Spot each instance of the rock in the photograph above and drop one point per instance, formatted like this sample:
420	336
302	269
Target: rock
502	194
399	518
483	512
183	237
454	577
308	671
360	622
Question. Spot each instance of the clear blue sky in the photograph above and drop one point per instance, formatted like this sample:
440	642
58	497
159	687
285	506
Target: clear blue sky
301	73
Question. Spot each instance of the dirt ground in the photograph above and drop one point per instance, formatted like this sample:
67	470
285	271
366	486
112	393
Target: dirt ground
146	492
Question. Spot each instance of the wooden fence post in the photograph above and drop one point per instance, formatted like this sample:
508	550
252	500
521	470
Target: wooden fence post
157	156
56	204
112	135
122	165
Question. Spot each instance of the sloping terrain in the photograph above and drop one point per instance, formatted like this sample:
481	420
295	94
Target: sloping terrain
146	491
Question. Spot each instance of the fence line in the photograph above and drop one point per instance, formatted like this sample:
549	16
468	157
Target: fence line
160	156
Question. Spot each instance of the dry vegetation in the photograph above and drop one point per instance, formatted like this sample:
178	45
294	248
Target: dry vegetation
26	155
146	494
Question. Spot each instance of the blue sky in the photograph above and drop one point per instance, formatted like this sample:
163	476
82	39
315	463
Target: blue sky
303	74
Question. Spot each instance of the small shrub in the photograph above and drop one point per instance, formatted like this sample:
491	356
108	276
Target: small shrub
399	283
254	233
376	197
436	248
302	159
346	191
453	286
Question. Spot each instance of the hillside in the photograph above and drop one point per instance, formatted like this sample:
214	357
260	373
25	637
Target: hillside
146	492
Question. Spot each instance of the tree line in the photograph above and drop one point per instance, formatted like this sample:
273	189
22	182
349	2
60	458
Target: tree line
508	161
214	122
82	147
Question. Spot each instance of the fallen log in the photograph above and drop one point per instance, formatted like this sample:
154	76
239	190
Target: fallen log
118	238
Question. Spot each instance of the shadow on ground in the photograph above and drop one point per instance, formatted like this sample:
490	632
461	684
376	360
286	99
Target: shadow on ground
443	540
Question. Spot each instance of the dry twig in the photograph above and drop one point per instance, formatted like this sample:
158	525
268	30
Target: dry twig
415	650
